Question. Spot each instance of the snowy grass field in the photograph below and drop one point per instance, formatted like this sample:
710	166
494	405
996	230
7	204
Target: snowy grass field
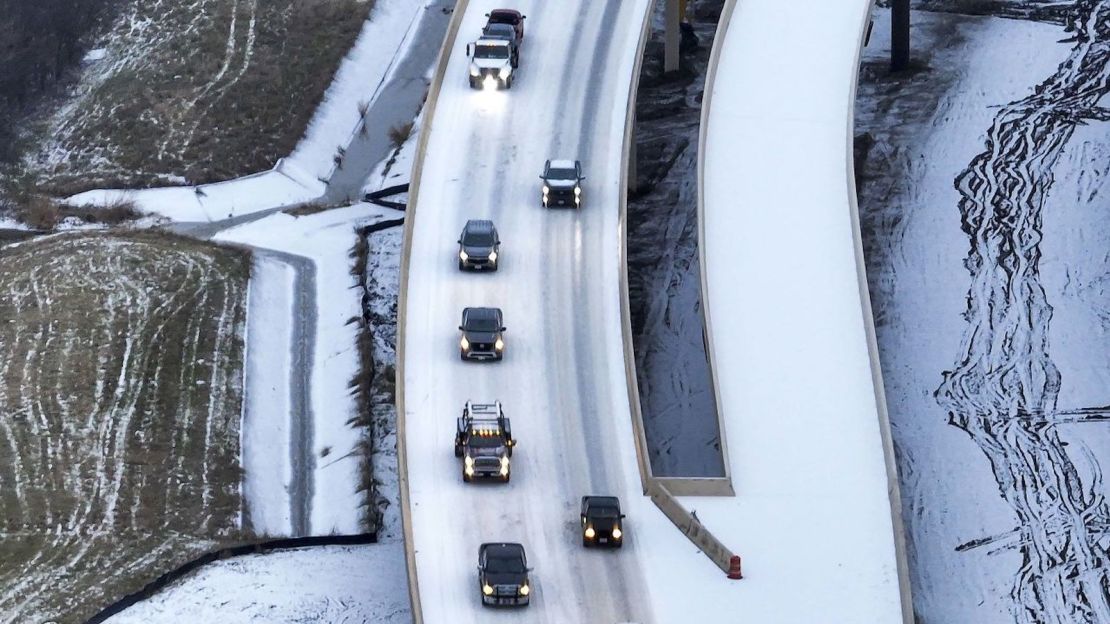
196	91
120	389
983	204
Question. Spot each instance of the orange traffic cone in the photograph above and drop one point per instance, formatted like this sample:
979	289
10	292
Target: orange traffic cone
734	568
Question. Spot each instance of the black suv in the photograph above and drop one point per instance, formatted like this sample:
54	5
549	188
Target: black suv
601	521
503	574
481	334
479	246
562	183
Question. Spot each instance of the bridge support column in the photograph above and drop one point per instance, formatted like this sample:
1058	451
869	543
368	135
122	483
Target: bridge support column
899	35
673	35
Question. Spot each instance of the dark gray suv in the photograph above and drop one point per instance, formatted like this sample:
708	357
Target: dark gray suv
562	184
481	334
503	574
479	246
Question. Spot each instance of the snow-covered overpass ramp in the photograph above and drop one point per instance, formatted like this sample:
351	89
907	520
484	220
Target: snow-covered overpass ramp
816	513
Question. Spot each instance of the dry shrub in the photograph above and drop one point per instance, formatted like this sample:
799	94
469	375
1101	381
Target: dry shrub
115	212
39	212
399	134
308	208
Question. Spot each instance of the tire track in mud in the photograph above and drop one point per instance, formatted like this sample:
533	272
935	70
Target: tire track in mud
1003	389
95	417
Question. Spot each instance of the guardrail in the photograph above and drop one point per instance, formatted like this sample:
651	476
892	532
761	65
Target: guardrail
402	299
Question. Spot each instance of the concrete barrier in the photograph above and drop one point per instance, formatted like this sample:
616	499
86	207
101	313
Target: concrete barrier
690	526
627	152
709	486
402	299
893	488
707	326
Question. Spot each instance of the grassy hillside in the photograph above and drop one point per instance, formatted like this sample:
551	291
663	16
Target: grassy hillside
176	91
121	392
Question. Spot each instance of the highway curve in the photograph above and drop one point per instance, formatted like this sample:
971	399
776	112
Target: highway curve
562	380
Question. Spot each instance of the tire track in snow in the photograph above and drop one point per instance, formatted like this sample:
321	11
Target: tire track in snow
1002	391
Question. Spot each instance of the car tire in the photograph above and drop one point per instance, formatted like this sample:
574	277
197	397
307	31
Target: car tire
462	265
462	356
585	542
467	479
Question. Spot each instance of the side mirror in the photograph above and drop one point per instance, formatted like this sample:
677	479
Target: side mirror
487	14
512	442
622	516
541	176
502	329
461	328
581	178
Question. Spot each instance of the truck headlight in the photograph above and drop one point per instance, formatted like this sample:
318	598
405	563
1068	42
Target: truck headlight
590	533
504	466
577	191
499	344
474	71
617	533
505	71
486	589
469	461
469	470
463	256
493	256
546	189
525	590
464	343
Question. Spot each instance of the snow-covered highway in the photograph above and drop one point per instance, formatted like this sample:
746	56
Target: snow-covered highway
562	380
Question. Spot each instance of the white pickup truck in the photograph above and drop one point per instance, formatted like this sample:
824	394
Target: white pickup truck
492	63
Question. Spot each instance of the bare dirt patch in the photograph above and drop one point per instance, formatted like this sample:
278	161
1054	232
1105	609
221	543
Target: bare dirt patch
120	395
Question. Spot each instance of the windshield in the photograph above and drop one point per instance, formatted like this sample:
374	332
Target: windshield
478	239
491	52
504	564
481	324
603	512
562	174
500	31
